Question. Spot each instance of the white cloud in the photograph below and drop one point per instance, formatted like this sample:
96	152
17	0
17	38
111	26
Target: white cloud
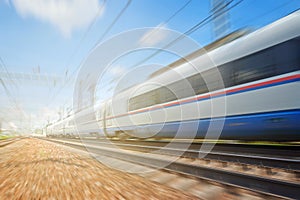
154	36
66	15
117	71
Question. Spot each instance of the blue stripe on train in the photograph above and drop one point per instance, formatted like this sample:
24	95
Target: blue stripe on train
272	126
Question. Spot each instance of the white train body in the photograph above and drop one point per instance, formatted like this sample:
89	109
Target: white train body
249	88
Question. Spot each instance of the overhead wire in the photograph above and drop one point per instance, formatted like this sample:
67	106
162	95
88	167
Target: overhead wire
215	12
266	13
11	98
171	17
101	37
69	78
200	24
7	72
165	22
114	21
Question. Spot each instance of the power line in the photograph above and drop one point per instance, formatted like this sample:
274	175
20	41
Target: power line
7	72
101	37
76	49
114	22
200	24
267	13
170	18
7	91
100	10
165	22
10	97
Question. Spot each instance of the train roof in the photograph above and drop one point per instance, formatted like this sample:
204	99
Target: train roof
216	44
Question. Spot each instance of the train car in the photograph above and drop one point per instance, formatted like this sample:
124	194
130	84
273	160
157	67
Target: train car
247	89
257	76
62	128
85	122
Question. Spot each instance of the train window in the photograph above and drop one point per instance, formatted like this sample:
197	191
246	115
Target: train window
165	95
198	84
213	79
141	101
276	60
287	56
254	67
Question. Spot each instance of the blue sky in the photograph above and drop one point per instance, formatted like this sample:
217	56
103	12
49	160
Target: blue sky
59	35
27	42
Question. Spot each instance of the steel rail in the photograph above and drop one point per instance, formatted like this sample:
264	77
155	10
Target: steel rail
9	141
258	149
247	159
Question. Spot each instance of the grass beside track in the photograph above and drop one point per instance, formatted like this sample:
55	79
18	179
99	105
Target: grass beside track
3	137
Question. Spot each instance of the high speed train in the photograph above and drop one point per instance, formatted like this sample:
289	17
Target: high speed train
247	89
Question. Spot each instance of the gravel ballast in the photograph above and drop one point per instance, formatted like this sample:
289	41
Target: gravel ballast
37	169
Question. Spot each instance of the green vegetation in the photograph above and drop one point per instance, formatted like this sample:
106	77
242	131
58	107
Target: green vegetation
3	137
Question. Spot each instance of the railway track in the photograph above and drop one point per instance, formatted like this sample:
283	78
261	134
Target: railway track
259	184
9	141
257	155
